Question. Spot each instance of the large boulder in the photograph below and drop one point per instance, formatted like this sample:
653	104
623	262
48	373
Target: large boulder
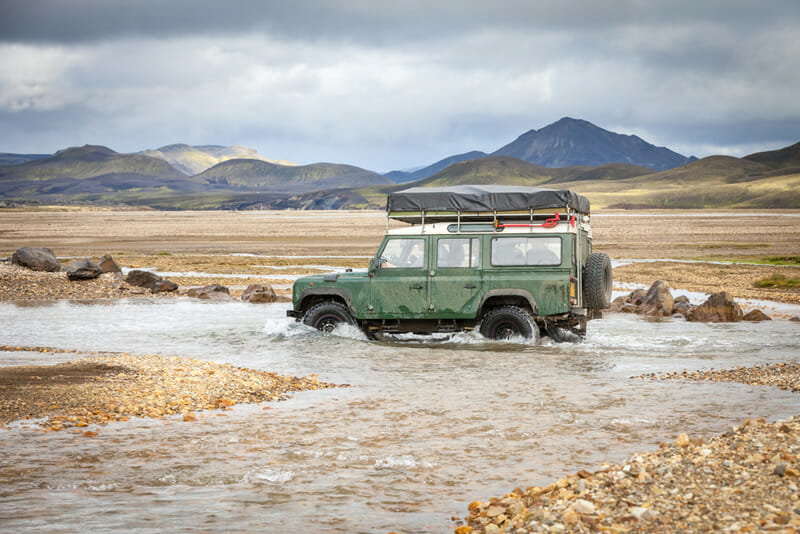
719	308
259	294
83	270
140	278
108	265
756	315
658	301
36	258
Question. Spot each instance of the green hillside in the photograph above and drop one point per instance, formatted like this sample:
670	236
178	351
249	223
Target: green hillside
86	162
784	158
288	179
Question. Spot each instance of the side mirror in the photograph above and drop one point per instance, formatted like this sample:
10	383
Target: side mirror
374	264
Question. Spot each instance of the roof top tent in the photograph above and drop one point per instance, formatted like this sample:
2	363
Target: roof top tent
473	203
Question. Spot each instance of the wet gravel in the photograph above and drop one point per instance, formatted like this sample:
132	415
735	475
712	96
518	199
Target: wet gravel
745	480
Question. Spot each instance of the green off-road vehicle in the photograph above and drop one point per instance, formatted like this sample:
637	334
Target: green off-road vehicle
510	261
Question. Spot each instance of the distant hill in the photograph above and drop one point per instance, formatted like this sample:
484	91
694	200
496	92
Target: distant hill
15	159
569	142
86	162
784	158
403	177
288	179
191	160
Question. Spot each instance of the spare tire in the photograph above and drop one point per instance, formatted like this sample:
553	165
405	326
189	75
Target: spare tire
597	281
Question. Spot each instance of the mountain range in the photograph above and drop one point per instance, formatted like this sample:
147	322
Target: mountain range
612	169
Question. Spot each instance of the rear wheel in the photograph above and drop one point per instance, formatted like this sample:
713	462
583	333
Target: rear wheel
597	281
507	322
326	316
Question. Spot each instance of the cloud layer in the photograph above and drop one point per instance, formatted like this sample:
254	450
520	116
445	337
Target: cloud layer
395	84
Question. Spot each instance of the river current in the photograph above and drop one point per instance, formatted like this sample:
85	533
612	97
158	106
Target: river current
430	425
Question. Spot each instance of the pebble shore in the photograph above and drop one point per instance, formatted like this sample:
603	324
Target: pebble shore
106	387
746	480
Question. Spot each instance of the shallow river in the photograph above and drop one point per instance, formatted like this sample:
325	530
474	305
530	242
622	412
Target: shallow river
429	427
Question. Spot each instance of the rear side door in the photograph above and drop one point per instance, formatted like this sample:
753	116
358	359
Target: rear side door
455	280
399	287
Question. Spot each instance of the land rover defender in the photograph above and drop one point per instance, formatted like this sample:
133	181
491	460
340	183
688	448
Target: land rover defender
509	261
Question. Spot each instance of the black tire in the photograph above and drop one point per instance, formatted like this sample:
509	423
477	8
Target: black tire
597	281
326	316
508	321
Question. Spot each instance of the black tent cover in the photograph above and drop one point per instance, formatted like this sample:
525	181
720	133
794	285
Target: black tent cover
471	198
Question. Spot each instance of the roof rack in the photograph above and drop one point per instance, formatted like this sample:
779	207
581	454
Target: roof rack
482	203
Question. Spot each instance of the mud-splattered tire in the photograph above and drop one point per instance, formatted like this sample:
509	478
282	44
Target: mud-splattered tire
507	322
597	281
326	316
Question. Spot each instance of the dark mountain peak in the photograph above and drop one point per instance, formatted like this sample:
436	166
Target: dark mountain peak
175	146
569	142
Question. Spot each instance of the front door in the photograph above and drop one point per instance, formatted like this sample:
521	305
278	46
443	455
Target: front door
399	288
456	280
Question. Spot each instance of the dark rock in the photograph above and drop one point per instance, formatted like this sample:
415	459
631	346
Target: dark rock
617	304
36	258
658	301
163	286
83	270
756	315
216	295
795	319
108	265
259	294
213	288
144	279
719	308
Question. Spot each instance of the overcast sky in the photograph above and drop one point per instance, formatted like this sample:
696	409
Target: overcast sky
395	84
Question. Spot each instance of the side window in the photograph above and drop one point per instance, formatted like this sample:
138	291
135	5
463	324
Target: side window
458	252
521	251
404	253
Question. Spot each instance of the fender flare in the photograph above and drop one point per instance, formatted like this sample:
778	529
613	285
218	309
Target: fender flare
509	293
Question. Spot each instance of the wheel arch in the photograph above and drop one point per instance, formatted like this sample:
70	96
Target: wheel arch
311	297
508	297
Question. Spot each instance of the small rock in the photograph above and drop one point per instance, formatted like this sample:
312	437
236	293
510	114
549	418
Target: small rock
756	315
83	270
779	470
36	259
682	441
212	288
259	294
795	319
491	529
108	265
583	507
164	286
216	295
140	278
494	511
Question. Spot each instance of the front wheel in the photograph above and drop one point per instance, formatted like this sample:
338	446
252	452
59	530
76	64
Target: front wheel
507	322
326	316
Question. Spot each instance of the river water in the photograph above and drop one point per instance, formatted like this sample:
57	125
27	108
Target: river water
430	426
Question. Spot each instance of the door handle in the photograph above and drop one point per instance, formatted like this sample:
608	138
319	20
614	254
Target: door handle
415	287
470	286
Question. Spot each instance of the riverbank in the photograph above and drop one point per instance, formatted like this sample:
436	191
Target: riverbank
104	387
742	481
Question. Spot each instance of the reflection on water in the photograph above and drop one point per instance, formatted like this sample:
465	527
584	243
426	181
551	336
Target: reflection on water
431	425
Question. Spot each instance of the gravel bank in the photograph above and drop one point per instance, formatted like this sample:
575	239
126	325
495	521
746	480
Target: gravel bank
20	284
745	480
112	387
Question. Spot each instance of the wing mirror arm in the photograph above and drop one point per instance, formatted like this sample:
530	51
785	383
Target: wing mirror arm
374	264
